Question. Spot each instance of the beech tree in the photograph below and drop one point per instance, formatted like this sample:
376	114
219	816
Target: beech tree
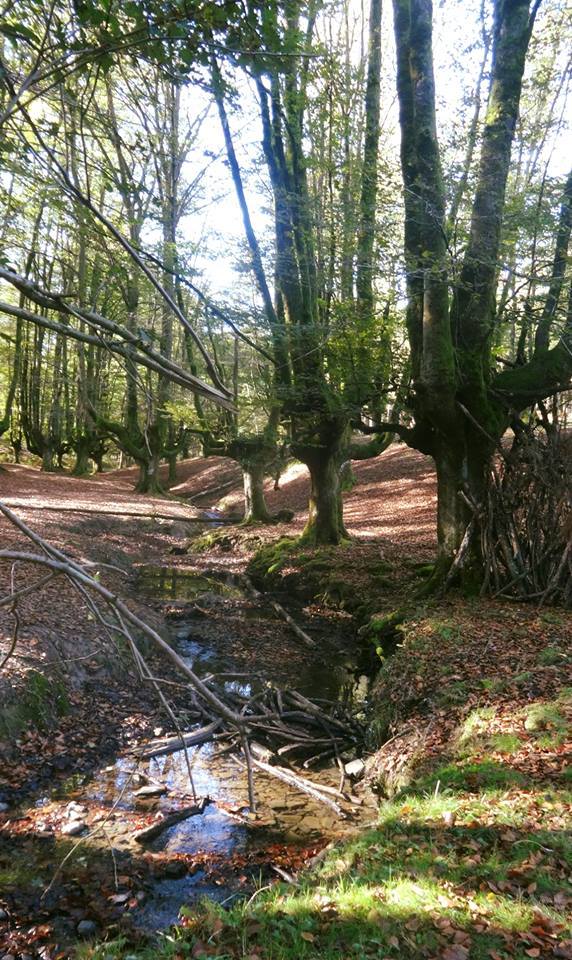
299	310
462	402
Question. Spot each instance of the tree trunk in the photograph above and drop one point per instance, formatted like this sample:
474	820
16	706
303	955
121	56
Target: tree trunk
461	477
82	465
172	462
48	460
325	511
149	481
255	509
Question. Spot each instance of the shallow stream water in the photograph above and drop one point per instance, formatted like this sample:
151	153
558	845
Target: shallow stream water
217	629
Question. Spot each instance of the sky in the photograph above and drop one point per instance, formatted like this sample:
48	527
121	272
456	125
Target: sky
457	54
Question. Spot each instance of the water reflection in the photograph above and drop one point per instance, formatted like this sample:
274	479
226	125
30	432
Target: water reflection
173	583
217	642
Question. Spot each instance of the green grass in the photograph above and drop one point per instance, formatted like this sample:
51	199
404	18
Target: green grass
551	656
436	870
549	721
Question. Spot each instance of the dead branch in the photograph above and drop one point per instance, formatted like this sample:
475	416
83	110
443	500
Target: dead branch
249	586
156	829
526	528
57	508
160	748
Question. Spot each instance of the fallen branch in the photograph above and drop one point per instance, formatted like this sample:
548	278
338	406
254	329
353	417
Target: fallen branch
299	783
156	829
249	586
160	748
24	505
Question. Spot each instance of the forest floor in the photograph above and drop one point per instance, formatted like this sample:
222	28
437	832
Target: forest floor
471	856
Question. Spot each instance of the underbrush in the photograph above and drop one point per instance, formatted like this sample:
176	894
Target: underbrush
469	858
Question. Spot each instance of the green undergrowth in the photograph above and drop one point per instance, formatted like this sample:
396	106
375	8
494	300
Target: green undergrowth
439	871
39	703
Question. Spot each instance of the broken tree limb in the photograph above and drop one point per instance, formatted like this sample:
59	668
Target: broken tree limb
57	508
299	783
156	829
249	586
160	748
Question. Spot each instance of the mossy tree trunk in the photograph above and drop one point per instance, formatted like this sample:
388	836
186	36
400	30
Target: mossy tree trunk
324	458
82	447
149	481
256	454
461	404
325	509
255	509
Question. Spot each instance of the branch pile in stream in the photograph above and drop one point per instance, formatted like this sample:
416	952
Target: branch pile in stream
280	726
287	723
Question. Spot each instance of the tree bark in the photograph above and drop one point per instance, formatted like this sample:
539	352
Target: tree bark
255	509
82	451
149	481
325	509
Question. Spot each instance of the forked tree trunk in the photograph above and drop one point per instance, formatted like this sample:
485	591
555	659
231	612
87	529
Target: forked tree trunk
255	509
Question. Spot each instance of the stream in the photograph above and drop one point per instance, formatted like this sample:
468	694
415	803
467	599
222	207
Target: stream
226	851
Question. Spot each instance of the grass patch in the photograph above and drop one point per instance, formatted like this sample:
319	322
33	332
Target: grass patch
40	703
551	656
549	721
432	876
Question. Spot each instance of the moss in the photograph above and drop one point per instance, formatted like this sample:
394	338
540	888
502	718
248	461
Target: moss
383	632
379	725
207	541
40	703
270	559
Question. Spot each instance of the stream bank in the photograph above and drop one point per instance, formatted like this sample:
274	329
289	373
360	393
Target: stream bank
222	854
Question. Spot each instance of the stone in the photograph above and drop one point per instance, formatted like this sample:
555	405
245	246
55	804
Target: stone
87	928
152	790
4	807
355	769
180	531
284	516
311	824
73	828
175	869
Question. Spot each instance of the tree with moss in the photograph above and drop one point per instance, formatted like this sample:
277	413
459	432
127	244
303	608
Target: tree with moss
461	400
313	291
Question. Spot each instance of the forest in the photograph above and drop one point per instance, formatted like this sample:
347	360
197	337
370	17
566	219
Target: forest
285	479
